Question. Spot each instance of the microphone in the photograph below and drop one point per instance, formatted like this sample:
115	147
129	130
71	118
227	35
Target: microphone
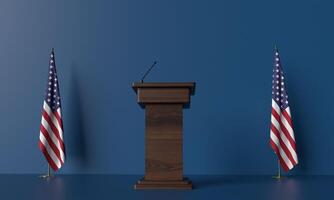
148	71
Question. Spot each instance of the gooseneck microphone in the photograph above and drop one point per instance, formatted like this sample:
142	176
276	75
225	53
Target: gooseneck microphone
148	71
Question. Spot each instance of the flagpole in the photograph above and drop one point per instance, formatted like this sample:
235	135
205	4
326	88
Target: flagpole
279	169
49	170
278	176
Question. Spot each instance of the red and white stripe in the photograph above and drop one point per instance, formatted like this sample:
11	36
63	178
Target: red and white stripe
51	140
282	138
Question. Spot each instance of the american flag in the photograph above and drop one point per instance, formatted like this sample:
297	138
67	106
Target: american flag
51	141
282	138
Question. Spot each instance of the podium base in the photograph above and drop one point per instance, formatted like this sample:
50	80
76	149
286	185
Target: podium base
184	184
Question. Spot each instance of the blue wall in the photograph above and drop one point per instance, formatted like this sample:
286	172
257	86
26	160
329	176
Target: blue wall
226	46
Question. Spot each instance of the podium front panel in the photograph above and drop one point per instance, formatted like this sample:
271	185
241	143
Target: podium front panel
163	153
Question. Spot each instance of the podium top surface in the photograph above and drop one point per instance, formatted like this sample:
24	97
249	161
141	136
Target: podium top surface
189	85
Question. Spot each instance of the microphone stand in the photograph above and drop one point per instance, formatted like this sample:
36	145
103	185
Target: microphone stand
148	71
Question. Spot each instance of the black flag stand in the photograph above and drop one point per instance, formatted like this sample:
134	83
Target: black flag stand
48	173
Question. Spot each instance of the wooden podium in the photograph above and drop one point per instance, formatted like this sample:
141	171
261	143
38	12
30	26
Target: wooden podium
163	103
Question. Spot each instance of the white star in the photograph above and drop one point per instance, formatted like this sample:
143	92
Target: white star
55	85
49	94
277	76
49	89
51	66
282	89
282	83
50	72
49	83
51	55
277	87
277	59
51	61
58	103
277	65
49	100
55	79
54	90
276	53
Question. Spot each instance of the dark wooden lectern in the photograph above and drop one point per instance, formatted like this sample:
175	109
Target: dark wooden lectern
163	103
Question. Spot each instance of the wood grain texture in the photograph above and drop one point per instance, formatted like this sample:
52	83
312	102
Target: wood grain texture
163	95
163	103
182	184
168	85
163	142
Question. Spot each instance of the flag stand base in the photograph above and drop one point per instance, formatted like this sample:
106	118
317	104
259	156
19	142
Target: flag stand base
47	175
278	177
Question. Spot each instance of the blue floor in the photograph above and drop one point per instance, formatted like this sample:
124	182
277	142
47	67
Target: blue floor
206	187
